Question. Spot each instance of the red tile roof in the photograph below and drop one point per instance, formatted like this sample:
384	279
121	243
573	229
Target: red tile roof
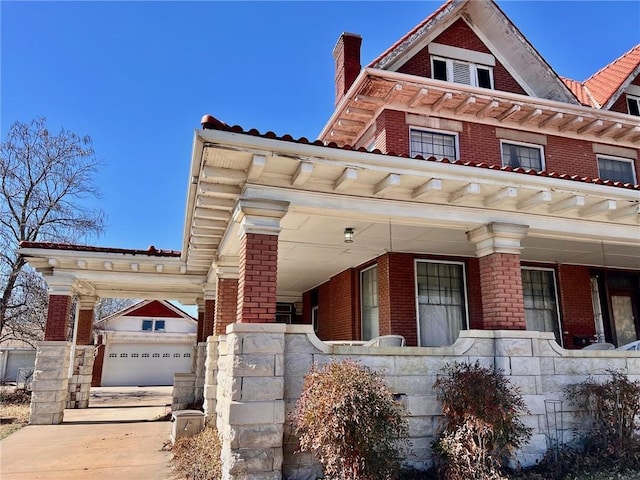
209	122
604	84
151	251
580	91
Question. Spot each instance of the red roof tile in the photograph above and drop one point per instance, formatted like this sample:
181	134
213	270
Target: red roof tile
604	84
151	251
215	124
580	91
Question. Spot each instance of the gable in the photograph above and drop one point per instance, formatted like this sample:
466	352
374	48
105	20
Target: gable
521	66
154	309
465	46
608	84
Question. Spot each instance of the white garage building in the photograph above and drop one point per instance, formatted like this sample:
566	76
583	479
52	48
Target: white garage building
146	344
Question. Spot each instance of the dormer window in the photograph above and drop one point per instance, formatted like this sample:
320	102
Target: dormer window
153	325
466	73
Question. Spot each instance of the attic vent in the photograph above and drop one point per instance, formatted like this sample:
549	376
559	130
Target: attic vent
461	73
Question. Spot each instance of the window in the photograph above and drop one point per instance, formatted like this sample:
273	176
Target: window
134	355
369	302
113	355
145	355
634	105
466	73
441	302
123	355
522	155
176	355
616	169
166	355
540	305
156	355
433	144
315	317
186	355
153	325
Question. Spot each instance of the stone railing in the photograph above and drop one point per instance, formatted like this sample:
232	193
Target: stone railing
260	371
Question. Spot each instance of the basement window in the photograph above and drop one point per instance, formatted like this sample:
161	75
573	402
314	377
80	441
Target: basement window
616	169
466	73
522	155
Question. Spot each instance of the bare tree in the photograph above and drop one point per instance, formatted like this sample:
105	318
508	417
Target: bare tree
45	180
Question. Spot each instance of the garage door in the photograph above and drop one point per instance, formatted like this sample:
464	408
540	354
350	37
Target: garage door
131	364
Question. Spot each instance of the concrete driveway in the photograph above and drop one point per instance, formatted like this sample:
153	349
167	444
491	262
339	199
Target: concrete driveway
115	438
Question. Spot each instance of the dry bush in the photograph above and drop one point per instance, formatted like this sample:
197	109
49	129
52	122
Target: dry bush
14	410
197	457
349	419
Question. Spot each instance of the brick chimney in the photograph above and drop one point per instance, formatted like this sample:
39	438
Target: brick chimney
347	57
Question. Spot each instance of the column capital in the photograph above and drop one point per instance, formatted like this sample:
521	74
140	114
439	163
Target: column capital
209	290
200	303
87	302
61	285
498	237
260	216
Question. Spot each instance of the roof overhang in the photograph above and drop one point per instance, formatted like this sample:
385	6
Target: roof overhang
394	204
376	90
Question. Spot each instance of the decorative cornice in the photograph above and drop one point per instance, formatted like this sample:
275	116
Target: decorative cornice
498	238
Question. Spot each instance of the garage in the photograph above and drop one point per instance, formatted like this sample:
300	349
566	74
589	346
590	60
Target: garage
145	364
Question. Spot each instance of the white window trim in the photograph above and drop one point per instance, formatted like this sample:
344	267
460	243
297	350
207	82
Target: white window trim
464	291
618	159
315	319
555	291
361	302
543	163
439	132
632	97
474	71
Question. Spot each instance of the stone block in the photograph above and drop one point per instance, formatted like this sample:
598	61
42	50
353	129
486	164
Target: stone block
47	407
481	347
248	413
253	365
535	404
248	461
503	364
260	436
513	347
297	364
420	426
300	472
279	365
49	385
384	365
525	366
423	405
262	388
43	419
411	385
526	384
633	366
299	343
547	366
262	343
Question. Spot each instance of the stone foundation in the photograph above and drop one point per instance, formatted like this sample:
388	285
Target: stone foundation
211	379
80	381
200	371
50	383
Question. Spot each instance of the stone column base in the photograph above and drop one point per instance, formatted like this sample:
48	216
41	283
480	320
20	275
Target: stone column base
50	383
183	387
80	382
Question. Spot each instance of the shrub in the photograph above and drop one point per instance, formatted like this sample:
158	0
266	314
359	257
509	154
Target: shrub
610	409
348	418
197	457
482	428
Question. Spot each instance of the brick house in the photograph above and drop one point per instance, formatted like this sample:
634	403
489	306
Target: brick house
459	184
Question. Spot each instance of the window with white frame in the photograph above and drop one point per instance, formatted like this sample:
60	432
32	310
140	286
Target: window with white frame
540	301
616	169
633	103
429	143
457	71
369	303
442	309
525	155
153	325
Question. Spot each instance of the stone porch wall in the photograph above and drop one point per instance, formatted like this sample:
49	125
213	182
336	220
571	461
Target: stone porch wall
80	381
533	361
50	383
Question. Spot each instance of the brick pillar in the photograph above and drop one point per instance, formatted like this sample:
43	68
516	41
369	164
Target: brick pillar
58	315
200	334
498	249
226	300
258	264
84	336
346	55
209	317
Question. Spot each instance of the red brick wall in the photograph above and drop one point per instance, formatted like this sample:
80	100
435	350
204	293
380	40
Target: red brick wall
574	290
474	293
392	133
620	105
347	63
58	318
226	308
328	330
98	362
343	303
306	308
501	286
85	328
209	315
200	333
258	275
460	35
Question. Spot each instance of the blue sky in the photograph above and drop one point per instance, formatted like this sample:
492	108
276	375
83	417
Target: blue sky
138	76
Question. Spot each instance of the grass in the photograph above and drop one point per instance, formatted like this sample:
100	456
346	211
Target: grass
14	410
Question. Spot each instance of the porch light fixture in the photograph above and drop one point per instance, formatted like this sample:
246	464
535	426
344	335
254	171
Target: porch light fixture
348	235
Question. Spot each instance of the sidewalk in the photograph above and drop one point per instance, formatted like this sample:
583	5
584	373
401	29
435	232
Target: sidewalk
113	439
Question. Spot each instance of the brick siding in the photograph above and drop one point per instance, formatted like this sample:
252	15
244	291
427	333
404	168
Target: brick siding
58	318
85	328
258	274
574	290
501	286
226	308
